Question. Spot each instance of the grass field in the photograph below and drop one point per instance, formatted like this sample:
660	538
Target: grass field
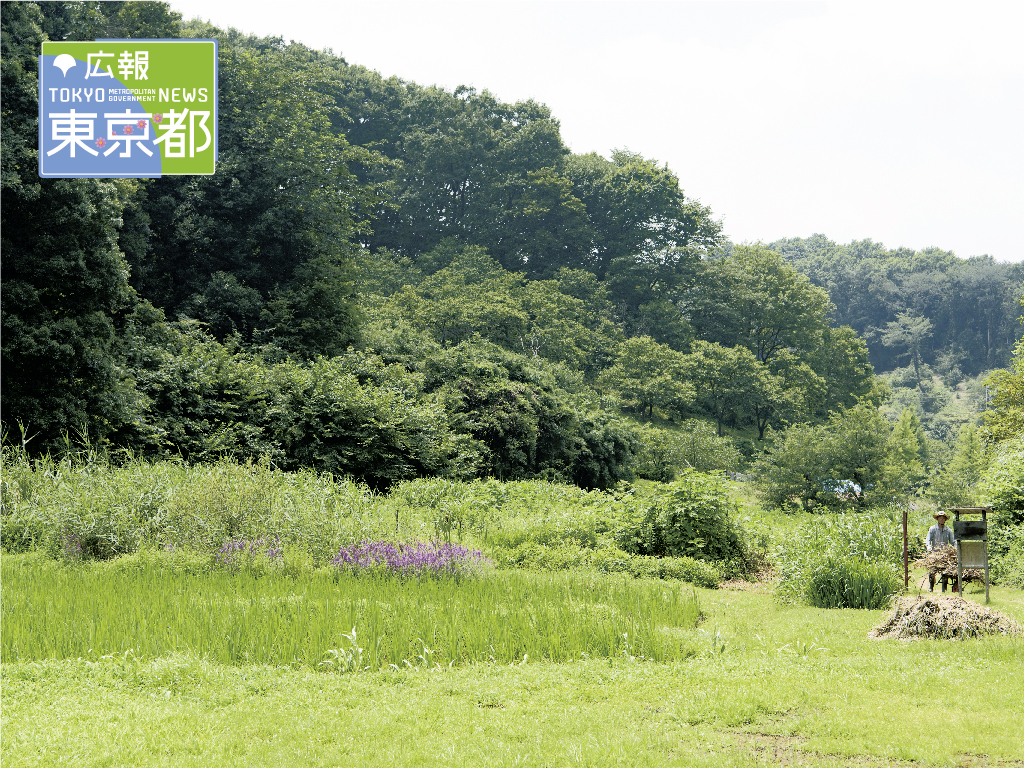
760	684
54	612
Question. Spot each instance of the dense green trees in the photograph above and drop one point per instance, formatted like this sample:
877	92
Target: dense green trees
957	484
845	462
64	278
906	451
762	303
1005	418
387	280
265	247
648	375
971	304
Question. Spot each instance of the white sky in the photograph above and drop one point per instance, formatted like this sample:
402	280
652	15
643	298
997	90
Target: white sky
899	122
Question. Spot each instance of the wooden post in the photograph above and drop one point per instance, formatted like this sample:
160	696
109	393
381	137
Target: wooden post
906	562
959	563
984	519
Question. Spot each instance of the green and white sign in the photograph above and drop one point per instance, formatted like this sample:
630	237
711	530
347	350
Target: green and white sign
118	108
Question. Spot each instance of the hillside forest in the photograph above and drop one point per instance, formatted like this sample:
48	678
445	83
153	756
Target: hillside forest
387	281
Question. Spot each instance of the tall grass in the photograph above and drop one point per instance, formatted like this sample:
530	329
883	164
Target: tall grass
110	511
55	611
85	508
849	583
842	554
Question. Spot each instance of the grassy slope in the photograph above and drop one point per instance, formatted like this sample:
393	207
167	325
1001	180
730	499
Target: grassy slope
792	685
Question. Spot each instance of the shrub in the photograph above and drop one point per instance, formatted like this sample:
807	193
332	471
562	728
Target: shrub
851	583
1006	550
692	517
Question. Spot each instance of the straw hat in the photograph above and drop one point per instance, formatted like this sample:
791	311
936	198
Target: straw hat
939	514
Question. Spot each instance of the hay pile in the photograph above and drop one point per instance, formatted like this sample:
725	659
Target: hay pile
946	618
943	560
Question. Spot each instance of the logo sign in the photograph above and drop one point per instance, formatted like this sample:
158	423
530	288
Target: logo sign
119	108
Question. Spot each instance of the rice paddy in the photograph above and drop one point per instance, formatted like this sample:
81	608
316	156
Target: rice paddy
52	611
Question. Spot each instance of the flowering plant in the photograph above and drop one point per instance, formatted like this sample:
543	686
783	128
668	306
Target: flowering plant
237	552
415	559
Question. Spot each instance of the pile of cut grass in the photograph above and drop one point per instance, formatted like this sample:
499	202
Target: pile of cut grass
945	618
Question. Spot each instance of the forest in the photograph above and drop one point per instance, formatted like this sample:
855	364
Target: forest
389	281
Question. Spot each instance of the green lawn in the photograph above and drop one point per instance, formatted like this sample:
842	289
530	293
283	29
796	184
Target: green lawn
768	685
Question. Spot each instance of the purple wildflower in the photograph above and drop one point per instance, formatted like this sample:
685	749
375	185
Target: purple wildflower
231	549
72	544
416	559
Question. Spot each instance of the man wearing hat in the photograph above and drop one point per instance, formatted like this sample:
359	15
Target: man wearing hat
939	536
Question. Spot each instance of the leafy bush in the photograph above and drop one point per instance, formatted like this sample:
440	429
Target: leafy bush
516	413
377	434
692	517
604	452
851	583
1006	550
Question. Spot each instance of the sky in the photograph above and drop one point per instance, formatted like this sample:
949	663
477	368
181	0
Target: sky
898	122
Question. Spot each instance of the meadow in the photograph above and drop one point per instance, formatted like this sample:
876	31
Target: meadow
129	637
767	684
